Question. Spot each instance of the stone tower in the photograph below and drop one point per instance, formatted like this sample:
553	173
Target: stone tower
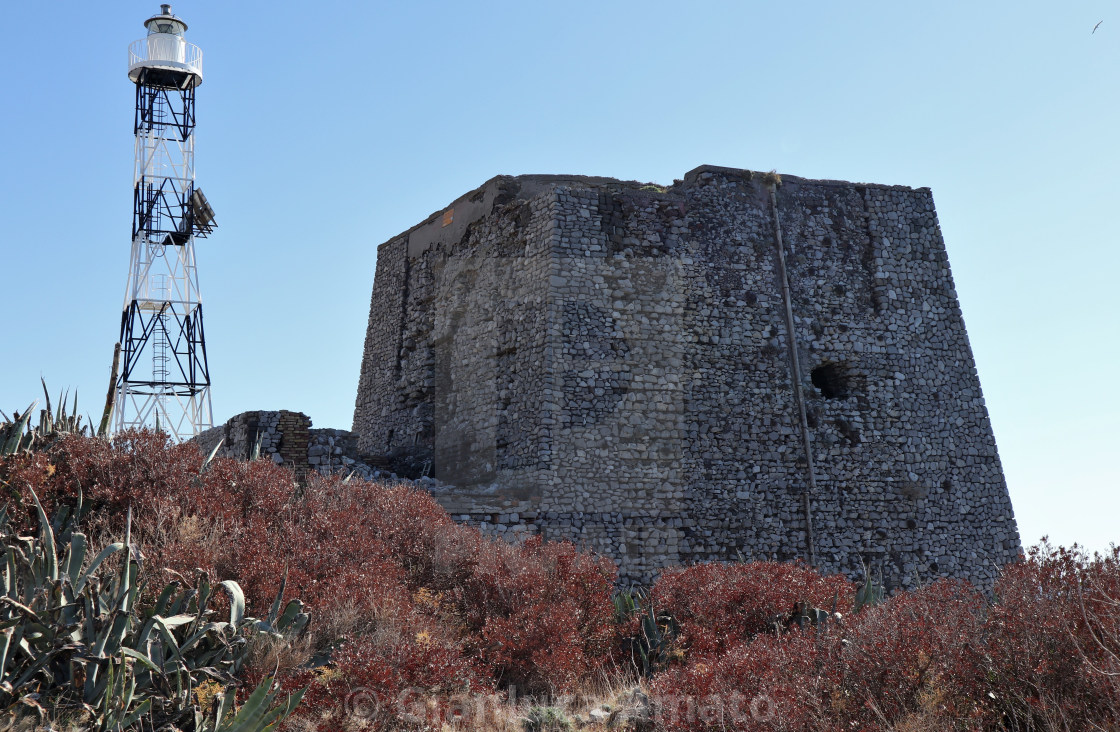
734	366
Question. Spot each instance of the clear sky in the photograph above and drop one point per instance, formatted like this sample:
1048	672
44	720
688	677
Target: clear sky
325	128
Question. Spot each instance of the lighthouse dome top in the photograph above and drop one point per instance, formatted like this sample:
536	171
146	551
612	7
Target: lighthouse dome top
165	22
165	59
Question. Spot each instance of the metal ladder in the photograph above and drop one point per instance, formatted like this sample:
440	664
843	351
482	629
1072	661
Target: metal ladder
160	358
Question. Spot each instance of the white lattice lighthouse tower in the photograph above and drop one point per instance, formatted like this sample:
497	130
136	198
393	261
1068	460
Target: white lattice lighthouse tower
164	374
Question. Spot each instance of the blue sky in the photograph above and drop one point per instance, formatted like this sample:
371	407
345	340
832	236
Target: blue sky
326	128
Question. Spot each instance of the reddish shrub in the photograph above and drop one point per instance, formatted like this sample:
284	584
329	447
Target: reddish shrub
1054	639
132	470
541	612
407	599
917	656
17	472
327	541
718	606
773	682
918	648
356	552
389	679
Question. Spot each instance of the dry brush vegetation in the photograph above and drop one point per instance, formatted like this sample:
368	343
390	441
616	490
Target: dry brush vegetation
419	623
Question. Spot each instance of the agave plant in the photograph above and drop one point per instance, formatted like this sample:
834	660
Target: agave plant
18	434
656	631
871	592
15	434
74	640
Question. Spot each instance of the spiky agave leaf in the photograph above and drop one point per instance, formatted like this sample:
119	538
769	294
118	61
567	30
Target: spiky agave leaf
65	627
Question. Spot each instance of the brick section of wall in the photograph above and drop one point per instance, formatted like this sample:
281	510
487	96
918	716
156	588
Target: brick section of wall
284	437
608	362
295	430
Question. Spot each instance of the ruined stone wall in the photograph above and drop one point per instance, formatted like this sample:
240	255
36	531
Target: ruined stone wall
286	438
607	362
283	437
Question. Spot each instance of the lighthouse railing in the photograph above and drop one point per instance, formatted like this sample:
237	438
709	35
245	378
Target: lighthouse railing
165	48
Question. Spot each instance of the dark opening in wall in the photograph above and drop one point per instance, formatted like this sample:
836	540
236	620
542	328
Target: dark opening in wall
830	380
252	434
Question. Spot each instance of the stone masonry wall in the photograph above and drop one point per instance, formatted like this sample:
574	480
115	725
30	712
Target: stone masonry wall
610	363
286	438
283	436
